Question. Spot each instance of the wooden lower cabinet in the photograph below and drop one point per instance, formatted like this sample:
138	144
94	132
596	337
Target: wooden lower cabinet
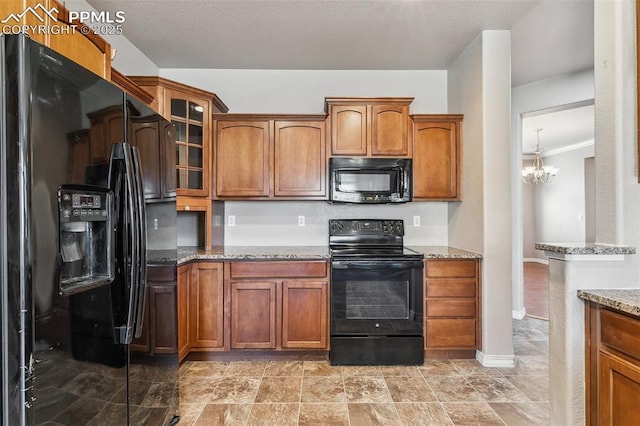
184	345
452	305
279	305
253	315
304	314
206	305
159	329
612	367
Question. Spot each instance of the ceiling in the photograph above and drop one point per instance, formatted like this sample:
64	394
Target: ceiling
560	128
549	37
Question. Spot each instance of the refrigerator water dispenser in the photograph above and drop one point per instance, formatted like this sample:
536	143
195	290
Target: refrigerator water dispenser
86	234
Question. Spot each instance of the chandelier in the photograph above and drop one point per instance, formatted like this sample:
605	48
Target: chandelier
538	172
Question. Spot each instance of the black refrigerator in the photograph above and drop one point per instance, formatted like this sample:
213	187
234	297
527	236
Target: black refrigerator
73	249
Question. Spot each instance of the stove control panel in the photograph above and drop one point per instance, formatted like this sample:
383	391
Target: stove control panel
393	227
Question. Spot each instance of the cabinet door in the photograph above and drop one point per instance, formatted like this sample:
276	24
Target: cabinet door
304	314
163	318
206	305
145	135
242	159
253	315
618	391
168	151
390	130
191	117
436	160
349	127
183	311
300	164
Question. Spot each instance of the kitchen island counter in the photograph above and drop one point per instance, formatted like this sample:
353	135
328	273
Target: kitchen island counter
623	300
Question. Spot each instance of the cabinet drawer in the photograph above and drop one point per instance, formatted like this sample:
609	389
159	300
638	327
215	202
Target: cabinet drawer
620	332
451	287
451	268
161	273
451	308
451	333
278	269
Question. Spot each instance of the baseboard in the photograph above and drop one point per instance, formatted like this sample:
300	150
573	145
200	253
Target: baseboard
500	361
536	260
519	314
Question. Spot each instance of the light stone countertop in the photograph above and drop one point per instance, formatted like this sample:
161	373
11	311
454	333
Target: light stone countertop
444	252
186	254
585	248
623	300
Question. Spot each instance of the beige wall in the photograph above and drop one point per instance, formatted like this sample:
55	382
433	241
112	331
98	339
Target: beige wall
616	159
480	87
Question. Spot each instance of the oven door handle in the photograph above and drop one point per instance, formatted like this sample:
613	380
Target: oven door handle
360	264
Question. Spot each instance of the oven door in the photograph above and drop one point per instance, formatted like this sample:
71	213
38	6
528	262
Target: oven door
376	298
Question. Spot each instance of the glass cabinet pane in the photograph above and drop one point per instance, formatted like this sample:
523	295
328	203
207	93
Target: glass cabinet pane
181	178
181	154
181	131
195	157
195	111
195	134
195	179
179	107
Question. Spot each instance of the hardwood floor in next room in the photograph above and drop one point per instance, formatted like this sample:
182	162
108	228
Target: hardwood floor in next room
536	290
454	392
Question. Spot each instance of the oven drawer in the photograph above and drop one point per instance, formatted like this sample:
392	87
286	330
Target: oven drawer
279	269
451	287
450	268
451	308
451	333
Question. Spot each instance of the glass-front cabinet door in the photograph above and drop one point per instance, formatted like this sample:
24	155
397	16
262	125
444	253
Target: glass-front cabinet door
190	117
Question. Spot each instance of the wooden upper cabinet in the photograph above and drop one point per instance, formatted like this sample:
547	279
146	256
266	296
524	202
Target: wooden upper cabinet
154	138
349	130
242	159
300	162
369	127
189	109
390	130
436	157
261	156
80	45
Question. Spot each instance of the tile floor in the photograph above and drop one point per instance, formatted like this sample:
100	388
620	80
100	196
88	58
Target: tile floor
454	392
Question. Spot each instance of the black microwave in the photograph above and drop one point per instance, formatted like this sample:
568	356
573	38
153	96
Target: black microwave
370	180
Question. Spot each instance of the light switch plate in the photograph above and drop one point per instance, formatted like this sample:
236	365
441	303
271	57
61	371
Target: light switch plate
416	221
231	221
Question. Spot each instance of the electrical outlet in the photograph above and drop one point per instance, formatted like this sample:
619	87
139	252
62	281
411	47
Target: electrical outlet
231	220
416	221
301	220
155	223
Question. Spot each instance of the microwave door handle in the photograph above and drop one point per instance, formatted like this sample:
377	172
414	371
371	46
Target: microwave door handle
142	238
126	331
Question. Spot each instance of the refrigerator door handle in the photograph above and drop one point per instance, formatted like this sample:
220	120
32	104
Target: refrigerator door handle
125	335
142	239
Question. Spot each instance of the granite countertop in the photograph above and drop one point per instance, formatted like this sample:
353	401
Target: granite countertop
623	300
584	248
186	254
445	252
161	257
